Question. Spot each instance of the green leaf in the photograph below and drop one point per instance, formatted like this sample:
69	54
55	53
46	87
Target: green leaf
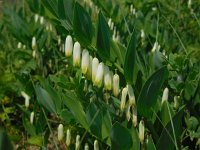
129	63
103	38
167	137
165	113
51	5
82	25
35	140
149	93
45	99
94	119
73	103
5	142
106	126
150	144
135	138
65	12
120	138
29	127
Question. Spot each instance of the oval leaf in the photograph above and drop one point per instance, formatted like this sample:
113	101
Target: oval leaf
44	99
103	38
149	93
120	138
82	25
130	59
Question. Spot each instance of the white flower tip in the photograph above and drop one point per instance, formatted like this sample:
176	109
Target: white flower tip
68	46
32	117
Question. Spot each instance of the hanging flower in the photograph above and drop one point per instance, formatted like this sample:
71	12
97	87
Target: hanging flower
60	132
131	95
128	113
85	62
134	119
95	63
99	75
77	54
86	147
107	78
32	117
165	95
19	45
77	145
141	131
26	97
68	138
33	43
89	70
68	46
116	85
96	145
123	98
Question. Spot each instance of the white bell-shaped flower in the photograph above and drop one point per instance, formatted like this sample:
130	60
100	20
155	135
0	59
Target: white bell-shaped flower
85	62
131	95
123	98
19	45
77	54
89	70
96	145
115	85
32	117
33	43
107	78
68	138
95	63
60	132
165	95
99	75
77	144
134	119
141	131
68	46
27	98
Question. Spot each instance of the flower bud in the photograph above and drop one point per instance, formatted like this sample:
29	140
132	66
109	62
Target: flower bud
86	146
33	43
189	4
85	62
31	117
123	98
107	78
68	138
36	17
142	34
77	145
128	113
19	45
131	95
116	85
176	102
165	95
95	63
34	53
68	46
134	119
41	20
99	75
27	98
89	70
96	145
141	131
77	54
60	132
59	40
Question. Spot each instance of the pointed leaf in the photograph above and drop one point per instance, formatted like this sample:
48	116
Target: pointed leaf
5	142
129	63
120	138
44	99
82	25
103	38
149	93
